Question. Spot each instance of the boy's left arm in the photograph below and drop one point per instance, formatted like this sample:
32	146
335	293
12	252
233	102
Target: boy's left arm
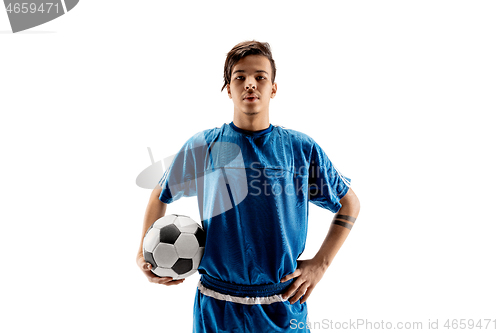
309	272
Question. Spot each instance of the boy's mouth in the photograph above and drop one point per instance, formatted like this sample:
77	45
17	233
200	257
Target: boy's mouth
250	98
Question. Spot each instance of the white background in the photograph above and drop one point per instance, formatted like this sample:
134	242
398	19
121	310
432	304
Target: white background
401	95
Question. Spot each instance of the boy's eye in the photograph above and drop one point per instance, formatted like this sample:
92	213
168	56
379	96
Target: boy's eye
242	78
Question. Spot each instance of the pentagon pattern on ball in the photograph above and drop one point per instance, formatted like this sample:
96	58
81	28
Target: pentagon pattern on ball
165	255
165	220
161	272
200	236
148	256
169	234
174	246
186	245
183	266
185	224
152	239
197	257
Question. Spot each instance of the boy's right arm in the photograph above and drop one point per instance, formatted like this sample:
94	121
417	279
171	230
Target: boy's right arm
154	211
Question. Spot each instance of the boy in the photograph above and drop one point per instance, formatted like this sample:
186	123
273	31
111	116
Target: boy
254	181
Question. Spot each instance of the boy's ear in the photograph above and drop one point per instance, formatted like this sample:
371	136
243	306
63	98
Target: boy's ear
228	88
274	89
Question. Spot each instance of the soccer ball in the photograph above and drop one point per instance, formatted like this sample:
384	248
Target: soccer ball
174	245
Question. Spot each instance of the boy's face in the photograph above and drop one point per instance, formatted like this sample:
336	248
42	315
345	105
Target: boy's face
250	88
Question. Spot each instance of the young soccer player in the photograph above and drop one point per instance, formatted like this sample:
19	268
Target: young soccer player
254	182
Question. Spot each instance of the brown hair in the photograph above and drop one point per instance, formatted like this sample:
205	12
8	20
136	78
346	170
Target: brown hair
242	50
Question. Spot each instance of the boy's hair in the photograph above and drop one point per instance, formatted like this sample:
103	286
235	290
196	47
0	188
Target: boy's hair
242	50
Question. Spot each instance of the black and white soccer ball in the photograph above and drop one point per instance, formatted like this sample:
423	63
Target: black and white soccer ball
174	245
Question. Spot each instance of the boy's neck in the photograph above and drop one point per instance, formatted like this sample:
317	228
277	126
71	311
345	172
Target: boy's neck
249	124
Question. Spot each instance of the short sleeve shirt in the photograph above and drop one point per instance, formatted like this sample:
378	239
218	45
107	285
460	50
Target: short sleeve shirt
253	191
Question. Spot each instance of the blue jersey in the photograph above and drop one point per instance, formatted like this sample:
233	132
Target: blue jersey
253	192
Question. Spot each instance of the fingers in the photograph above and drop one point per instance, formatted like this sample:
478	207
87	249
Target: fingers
292	289
167	281
300	289
174	282
306	295
291	276
300	292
